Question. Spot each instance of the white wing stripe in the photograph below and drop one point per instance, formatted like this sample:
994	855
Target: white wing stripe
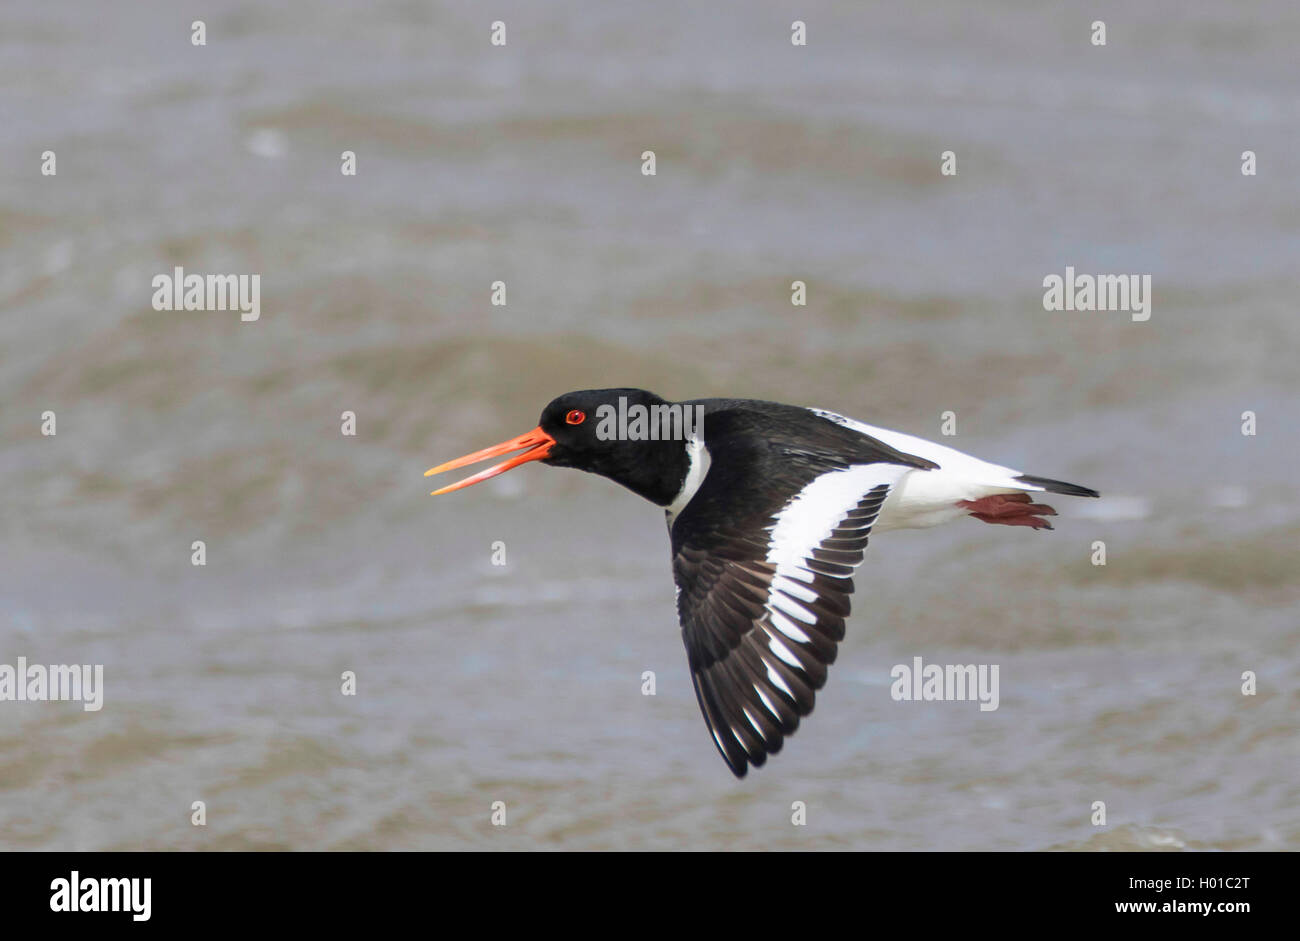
788	628
782	651
775	679
800	527
766	702
793	589
791	607
812	515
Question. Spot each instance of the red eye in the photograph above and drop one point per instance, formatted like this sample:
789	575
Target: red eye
576	417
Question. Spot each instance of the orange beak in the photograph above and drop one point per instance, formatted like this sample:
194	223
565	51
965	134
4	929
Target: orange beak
538	443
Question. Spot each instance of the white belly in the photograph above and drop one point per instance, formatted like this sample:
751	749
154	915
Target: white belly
925	498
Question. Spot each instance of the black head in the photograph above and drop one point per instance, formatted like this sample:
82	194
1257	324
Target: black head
633	437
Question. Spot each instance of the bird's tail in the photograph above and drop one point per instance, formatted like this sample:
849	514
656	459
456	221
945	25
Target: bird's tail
1057	486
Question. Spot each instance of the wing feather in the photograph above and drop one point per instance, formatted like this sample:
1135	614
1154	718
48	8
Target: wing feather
763	609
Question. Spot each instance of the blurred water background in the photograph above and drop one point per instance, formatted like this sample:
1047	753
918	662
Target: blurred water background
522	682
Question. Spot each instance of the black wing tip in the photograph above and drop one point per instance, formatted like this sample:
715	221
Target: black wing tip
1058	486
737	764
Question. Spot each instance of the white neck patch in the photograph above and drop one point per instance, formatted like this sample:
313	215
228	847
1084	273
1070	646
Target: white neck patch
700	460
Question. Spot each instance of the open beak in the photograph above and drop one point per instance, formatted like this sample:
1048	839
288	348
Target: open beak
538	443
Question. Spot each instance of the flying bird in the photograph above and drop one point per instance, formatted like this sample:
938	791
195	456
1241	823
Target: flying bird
769	507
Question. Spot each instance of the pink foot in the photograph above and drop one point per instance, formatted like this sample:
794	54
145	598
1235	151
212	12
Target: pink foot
1009	509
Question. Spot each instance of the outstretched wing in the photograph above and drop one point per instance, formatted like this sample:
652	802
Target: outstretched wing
762	603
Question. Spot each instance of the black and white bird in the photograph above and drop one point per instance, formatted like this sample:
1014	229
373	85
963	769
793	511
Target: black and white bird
769	507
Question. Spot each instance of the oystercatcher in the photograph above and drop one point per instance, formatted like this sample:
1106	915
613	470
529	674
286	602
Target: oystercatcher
769	507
